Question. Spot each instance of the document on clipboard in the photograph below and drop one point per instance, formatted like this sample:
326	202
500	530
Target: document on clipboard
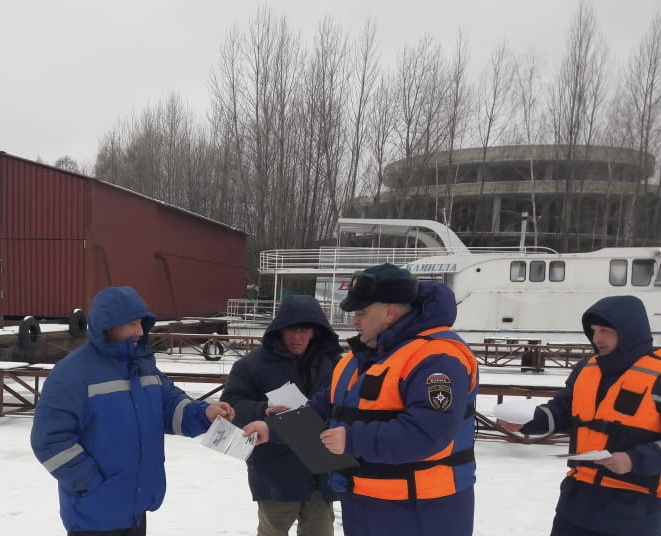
300	429
288	395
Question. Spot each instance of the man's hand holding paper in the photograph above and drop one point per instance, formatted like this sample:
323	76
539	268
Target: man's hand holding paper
224	437
257	427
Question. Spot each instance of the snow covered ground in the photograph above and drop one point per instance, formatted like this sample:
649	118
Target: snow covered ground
517	486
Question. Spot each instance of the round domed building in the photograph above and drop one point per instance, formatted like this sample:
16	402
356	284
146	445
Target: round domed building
567	198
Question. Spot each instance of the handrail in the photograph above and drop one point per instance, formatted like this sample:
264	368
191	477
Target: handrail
496	355
360	257
339	258
261	312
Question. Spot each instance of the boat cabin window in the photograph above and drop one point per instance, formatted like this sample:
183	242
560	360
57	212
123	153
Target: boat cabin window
518	271
618	272
657	281
557	271
537	271
642	271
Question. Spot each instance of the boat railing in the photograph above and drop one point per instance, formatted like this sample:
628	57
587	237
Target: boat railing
332	259
526	250
352	258
261	312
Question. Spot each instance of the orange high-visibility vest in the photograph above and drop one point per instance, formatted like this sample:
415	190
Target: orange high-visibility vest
447	471
627	416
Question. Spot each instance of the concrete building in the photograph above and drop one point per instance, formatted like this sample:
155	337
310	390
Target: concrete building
486	198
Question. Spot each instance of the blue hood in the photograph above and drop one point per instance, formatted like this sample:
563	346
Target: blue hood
115	306
627	315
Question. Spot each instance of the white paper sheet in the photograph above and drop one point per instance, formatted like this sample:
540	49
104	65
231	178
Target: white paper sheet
593	455
516	410
224	437
287	395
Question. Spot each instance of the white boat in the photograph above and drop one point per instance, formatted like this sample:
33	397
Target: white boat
523	294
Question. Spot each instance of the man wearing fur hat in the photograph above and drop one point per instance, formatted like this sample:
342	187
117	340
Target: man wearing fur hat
402	403
300	347
611	402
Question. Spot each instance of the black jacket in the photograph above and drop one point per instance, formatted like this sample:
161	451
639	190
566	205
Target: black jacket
274	472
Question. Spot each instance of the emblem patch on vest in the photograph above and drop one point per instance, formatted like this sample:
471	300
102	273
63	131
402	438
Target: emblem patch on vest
439	391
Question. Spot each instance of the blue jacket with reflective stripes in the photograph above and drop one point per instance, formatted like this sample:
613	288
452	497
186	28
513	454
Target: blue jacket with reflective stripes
100	421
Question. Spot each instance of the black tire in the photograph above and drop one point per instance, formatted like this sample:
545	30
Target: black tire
77	324
213	350
29	333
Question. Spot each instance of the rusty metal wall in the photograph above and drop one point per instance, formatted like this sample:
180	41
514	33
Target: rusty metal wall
41	239
183	265
63	237
205	264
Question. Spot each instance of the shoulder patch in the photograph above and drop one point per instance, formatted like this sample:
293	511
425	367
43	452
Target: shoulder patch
440	396
437	377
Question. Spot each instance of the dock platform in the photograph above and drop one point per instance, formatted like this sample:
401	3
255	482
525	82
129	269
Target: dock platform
21	384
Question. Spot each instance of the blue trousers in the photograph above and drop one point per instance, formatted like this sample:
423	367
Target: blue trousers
450	516
562	527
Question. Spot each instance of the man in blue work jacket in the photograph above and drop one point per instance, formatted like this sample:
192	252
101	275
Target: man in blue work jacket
100	422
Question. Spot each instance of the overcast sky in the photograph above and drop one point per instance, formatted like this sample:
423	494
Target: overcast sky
70	69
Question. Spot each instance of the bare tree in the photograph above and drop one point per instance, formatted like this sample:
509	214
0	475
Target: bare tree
279	120
642	103
366	69
160	154
420	130
493	96
255	94
67	163
381	128
457	116
575	102
258	50
530	121
227	118
286	69
295	133
326	96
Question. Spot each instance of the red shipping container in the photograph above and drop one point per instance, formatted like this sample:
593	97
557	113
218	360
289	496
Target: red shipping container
64	236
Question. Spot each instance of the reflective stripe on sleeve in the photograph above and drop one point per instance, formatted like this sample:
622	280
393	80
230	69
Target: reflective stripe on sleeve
645	370
178	417
150	380
116	386
62	458
550	418
104	388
